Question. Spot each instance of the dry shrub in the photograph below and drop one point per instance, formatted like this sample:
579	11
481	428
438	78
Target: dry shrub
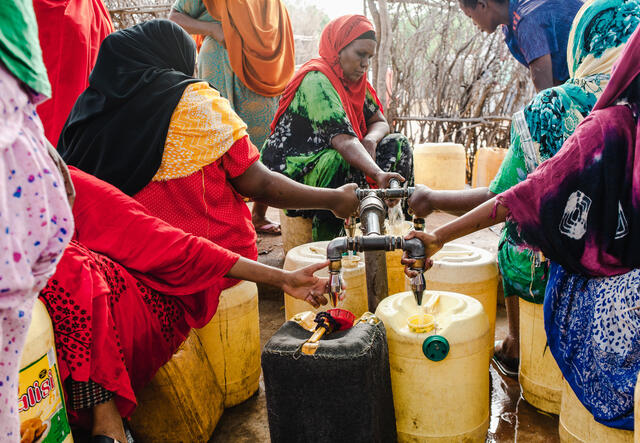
125	13
450	82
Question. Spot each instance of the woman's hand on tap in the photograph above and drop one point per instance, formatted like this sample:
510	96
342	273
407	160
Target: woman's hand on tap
431	245
420	202
346	202
304	285
383	178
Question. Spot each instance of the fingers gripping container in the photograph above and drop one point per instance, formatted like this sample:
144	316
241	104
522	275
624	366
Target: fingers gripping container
340	393
353	274
466	270
183	401
439	359
440	165
540	376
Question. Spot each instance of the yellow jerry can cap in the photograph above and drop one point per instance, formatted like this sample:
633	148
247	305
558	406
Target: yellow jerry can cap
420	323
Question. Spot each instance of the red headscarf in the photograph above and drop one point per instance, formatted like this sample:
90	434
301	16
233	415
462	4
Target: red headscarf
335	37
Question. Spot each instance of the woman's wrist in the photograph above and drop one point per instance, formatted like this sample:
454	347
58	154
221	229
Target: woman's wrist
377	176
280	278
215	31
441	236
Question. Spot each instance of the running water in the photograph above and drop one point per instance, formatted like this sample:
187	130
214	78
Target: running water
396	219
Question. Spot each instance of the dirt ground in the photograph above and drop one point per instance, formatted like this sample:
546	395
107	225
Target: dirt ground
512	418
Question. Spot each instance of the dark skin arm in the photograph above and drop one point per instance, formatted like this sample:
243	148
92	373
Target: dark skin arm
357	156
541	71
474	220
425	200
279	191
361	154
195	26
377	129
300	284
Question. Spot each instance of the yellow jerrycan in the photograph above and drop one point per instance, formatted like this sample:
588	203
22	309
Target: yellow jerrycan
231	340
636	413
183	401
486	165
295	231
540	376
439	356
440	165
577	425
353	275
41	408
466	270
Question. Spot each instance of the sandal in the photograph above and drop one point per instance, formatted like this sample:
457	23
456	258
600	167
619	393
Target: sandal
507	365
269	228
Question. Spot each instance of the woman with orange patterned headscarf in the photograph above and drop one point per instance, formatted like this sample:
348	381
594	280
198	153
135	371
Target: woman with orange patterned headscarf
329	129
248	56
146	126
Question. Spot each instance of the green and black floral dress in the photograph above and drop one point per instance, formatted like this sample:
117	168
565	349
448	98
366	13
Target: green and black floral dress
300	147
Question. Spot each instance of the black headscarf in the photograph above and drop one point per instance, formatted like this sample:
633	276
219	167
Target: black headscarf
118	126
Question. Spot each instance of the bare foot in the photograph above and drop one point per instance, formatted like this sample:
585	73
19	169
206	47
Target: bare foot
509	348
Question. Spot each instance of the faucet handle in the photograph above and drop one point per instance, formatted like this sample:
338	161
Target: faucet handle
350	226
418	223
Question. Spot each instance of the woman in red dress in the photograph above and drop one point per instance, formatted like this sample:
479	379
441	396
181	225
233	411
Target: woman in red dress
148	127
125	294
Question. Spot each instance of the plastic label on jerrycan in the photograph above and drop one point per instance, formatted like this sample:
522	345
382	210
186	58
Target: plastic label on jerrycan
43	417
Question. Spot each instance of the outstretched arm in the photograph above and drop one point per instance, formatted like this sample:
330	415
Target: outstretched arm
426	200
277	190
300	284
487	214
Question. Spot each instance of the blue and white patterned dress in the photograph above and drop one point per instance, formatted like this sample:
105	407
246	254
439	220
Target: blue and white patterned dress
593	330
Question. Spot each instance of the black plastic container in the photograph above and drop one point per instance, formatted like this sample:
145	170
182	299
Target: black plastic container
340	393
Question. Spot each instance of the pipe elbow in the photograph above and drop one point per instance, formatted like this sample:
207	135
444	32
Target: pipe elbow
336	247
414	247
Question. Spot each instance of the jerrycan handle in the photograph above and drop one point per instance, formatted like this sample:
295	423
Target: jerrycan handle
311	346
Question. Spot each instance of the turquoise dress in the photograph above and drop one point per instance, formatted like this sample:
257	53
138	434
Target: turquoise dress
539	130
256	110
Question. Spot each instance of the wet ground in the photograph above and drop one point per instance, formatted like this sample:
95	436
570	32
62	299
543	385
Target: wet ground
512	418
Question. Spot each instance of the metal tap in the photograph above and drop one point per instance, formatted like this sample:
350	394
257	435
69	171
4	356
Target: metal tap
415	250
335	281
372	212
350	226
394	191
413	247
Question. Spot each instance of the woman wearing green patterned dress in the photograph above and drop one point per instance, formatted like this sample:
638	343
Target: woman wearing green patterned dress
248	56
329	129
597	37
